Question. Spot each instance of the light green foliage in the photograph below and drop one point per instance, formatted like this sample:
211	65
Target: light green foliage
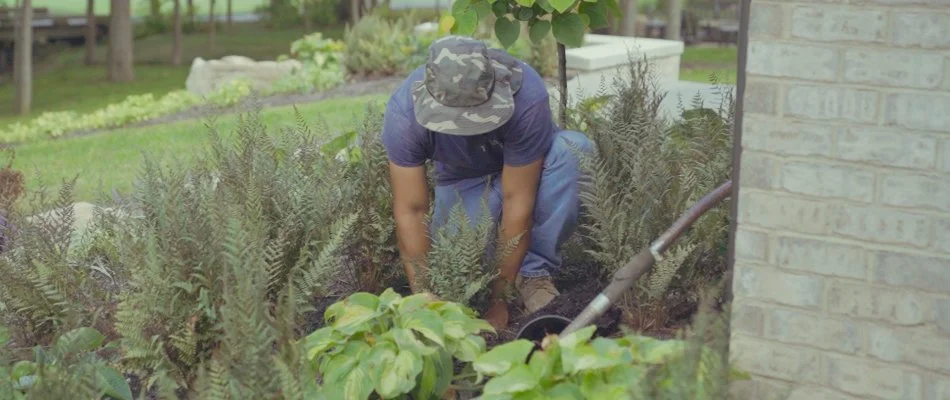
647	171
567	20
377	46
70	368
578	367
393	346
322	60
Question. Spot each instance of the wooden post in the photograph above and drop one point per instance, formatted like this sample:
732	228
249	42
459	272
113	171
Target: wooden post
628	20
91	32
23	59
674	15
176	33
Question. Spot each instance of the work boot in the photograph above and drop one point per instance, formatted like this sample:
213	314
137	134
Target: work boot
536	292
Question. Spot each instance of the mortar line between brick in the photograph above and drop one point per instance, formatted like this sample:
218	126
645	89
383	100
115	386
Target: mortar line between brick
837	162
883	90
844	240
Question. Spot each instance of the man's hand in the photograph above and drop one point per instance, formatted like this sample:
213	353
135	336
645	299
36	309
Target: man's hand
410	205
497	314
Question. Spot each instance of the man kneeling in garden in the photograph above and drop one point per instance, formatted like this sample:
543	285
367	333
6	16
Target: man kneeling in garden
480	115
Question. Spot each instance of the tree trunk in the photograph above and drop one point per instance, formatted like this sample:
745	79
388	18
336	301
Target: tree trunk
120	42
176	33
230	14
628	21
91	30
674	14
191	14
302	9
155	8
354	11
211	29
23	59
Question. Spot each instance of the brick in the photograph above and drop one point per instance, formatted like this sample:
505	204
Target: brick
915	190
881	225
789	138
942	314
905	69
898	3
946	156
828	181
751	245
760	97
937	388
928	30
779	287
874	380
919	348
766	20
812	393
887	147
775	360
830	102
759	389
797	327
821	256
758	171
834	23
876	303
943	236
901	269
746	318
782	211
793	61
918	111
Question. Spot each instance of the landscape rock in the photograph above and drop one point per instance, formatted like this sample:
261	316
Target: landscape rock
206	76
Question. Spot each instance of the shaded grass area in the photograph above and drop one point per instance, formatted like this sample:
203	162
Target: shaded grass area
65	83
111	160
698	63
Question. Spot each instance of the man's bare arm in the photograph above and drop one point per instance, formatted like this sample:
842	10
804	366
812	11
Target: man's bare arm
410	206
519	187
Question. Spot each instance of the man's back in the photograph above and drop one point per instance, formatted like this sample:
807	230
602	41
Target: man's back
524	138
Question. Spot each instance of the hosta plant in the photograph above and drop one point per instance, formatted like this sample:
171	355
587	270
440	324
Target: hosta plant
576	367
390	346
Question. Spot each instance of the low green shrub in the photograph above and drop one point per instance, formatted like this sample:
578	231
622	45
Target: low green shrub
393	346
377	46
322	61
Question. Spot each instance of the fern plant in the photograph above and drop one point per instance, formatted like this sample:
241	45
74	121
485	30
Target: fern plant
646	172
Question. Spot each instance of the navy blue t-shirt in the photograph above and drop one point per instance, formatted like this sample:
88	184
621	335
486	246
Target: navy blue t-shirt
525	138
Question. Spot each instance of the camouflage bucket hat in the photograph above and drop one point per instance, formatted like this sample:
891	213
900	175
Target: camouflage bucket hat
468	88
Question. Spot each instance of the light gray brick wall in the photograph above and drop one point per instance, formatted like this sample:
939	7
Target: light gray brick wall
842	274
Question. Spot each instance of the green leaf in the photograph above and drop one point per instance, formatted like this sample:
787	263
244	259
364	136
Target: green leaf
501	358
565	391
614	7
482	9
319	341
518	379
500	8
507	31
358	385
426	322
380	357
22	368
399	376
525	3
597	13
569	29
561	5
469	348
436	376
388	300
577	337
406	340
466	18
112	383
338	367
585	358
541	365
538	30
79	340
545	5
413	303
653	351
525	14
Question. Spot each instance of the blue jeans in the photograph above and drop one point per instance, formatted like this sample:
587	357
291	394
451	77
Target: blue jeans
556	207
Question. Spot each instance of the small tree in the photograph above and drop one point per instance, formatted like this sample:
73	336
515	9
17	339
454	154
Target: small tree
120	65
567	20
176	33
91	31
23	58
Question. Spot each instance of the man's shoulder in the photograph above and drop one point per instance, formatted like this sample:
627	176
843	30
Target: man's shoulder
533	88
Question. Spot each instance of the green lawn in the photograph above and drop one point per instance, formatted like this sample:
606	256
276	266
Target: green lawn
139	7
114	158
698	63
64	83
